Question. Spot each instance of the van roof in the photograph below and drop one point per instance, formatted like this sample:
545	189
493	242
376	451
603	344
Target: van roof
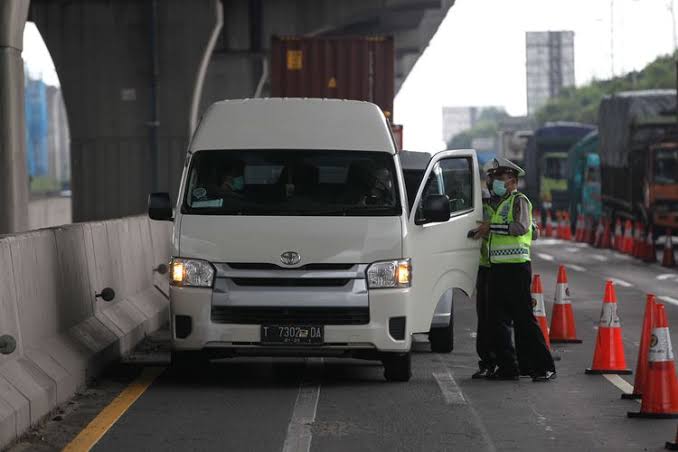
293	123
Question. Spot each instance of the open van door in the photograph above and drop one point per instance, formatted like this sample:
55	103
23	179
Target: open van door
443	256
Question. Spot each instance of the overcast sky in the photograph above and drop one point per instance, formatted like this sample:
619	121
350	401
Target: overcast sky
478	55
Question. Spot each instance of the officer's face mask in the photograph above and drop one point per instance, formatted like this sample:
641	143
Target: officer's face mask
238	183
499	187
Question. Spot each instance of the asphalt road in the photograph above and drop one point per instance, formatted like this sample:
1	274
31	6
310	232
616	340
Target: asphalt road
336	405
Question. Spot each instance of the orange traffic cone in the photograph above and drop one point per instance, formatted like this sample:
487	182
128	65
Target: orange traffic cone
642	364
608	357
537	218
668	259
617	244
549	224
557	231
627	243
606	243
639	241
563	328
650	255
538	308
579	229
567	232
660	394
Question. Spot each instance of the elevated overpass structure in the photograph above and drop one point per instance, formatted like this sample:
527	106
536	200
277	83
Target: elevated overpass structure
136	76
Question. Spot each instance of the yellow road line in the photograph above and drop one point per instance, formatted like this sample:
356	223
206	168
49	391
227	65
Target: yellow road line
96	429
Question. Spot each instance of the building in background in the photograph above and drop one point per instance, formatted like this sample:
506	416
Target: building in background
550	66
35	101
58	138
458	119
47	137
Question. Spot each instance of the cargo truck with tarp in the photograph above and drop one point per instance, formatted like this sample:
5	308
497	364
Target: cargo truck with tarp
639	157
546	160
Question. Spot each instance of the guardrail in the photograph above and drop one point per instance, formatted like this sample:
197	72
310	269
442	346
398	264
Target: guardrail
72	300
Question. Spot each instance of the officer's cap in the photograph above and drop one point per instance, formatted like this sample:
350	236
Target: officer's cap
489	167
502	165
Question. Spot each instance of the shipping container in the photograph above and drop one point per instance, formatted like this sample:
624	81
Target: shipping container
356	68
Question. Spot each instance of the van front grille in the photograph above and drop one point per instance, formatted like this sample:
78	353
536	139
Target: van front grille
291	282
307	267
288	315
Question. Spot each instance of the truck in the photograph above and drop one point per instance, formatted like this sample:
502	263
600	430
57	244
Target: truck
546	160
295	237
639	157
584	177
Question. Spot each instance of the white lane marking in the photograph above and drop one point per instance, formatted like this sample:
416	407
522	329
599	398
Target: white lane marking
619	382
474	334
451	392
600	257
620	282
576	268
299	434
669	299
572	249
666	276
544	256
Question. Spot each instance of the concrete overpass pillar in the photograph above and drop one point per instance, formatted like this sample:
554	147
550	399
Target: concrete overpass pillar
131	73
13	177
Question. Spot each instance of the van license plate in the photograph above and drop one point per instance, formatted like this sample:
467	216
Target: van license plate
292	334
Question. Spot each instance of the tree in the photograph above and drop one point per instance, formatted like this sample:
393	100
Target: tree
581	104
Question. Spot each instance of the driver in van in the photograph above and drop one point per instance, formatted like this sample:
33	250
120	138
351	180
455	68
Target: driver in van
232	178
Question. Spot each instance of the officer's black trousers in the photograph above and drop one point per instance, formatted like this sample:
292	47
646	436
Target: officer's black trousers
484	345
511	301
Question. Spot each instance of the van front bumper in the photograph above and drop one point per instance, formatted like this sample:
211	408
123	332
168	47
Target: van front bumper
192	328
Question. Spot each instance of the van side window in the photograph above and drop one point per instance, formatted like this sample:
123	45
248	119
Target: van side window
452	177
457	176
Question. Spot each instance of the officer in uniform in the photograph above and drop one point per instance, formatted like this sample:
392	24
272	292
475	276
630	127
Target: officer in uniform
484	345
509	235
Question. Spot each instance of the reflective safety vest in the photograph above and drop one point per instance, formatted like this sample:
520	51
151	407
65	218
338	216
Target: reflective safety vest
488	213
505	248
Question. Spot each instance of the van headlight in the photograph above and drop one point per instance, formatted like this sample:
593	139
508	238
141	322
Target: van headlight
191	273
390	274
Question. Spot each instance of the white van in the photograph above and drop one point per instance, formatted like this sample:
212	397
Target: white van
295	234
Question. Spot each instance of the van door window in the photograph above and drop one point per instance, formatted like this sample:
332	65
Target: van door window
452	177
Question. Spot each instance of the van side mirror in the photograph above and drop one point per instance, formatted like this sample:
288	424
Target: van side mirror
160	207
436	209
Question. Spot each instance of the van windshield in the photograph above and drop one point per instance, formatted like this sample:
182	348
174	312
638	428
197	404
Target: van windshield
292	182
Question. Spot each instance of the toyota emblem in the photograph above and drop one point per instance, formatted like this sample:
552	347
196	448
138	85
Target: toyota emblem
290	258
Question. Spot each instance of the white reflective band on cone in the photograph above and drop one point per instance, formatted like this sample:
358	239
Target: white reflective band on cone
538	305
660	346
609	317
562	294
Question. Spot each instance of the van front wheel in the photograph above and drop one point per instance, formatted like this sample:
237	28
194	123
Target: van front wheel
442	339
397	366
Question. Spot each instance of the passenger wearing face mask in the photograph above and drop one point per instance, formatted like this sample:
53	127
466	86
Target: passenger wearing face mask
510	233
232	179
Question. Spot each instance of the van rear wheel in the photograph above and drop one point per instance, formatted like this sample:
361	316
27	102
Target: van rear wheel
442	339
397	366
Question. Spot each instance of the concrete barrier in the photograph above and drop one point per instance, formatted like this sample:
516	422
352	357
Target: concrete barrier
64	334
